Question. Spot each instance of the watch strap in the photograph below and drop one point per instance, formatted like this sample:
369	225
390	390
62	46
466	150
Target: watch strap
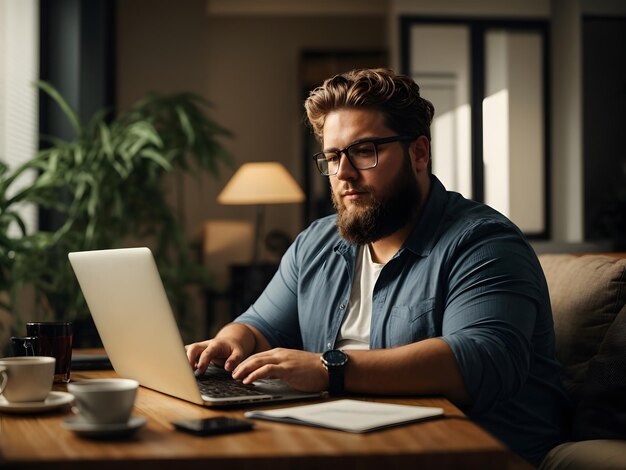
335	380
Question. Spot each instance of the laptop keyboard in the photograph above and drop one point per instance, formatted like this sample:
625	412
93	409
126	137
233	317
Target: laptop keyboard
223	386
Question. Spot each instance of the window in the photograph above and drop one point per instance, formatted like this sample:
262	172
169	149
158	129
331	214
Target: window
488	83
19	68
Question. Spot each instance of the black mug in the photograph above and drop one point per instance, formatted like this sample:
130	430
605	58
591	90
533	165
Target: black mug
54	339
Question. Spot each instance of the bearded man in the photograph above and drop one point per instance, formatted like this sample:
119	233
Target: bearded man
409	289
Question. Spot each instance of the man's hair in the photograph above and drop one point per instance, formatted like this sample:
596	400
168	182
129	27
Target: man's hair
396	96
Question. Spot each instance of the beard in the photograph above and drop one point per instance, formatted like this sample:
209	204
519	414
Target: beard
381	216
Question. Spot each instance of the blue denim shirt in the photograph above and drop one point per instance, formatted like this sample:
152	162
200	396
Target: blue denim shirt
466	275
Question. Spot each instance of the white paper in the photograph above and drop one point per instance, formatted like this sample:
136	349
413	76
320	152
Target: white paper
349	415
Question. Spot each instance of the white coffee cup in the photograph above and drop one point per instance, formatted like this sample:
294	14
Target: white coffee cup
25	379
104	401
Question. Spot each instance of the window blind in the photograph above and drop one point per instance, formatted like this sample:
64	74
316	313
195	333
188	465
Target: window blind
19	68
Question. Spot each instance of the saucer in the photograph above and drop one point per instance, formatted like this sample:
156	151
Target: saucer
53	401
85	429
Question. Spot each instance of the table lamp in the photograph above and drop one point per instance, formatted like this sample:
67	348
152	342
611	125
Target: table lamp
260	184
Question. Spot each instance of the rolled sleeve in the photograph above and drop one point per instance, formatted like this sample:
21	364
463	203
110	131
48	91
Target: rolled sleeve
494	358
275	313
490	318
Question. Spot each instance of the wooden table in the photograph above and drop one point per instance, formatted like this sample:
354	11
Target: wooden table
39	441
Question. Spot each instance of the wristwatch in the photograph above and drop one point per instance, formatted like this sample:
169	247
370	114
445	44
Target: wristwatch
335	362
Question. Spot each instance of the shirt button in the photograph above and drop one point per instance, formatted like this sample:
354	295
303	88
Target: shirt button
342	306
329	345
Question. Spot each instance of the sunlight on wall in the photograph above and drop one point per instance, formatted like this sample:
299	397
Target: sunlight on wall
440	66
452	152
496	151
443	133
464	149
513	136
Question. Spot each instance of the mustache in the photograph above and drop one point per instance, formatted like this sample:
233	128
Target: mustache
355	188
336	197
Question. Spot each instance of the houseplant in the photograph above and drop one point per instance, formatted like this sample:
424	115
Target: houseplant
108	183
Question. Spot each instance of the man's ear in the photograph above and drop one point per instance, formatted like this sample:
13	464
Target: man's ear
419	150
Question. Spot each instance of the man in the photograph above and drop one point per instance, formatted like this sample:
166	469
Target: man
409	289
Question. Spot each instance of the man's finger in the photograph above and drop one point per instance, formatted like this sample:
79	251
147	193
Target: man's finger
268	371
193	351
233	360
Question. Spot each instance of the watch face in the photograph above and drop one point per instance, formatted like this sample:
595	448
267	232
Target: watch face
335	357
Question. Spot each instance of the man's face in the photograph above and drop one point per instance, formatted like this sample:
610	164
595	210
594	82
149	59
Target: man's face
371	204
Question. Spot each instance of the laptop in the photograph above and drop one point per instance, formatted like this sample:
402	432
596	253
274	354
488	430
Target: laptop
130	309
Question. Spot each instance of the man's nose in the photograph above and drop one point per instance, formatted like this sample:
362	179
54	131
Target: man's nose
346	170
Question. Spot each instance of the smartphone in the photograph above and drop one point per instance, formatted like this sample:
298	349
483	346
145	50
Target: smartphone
212	426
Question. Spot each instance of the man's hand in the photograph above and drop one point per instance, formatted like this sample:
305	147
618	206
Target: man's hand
300	369
226	352
230	346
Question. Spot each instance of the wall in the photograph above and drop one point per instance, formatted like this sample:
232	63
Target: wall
567	163
248	67
604	120
568	131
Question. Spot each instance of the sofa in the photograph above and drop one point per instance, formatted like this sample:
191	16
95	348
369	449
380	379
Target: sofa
588	296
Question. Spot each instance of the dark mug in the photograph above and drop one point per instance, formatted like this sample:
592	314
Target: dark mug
54	339
24	345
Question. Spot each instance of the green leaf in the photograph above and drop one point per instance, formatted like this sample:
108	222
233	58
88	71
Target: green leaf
185	125
14	217
65	107
79	156
105	137
146	132
157	158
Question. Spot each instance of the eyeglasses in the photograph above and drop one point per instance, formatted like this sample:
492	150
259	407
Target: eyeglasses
362	154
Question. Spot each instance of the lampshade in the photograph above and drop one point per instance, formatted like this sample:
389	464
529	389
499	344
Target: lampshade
261	183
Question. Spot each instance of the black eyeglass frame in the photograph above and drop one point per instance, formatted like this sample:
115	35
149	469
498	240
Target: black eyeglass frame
346	151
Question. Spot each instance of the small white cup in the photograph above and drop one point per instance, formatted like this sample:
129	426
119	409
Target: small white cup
25	379
104	401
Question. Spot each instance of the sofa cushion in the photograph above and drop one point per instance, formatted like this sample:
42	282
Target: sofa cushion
601	412
587	455
586	293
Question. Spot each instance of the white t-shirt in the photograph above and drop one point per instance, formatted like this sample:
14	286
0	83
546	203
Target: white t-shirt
355	330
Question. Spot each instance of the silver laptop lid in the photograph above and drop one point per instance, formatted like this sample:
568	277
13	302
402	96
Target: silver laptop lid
130	309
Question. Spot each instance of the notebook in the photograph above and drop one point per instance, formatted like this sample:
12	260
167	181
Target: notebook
349	415
130	309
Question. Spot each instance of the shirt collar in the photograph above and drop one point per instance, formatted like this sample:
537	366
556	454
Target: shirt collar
422	238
